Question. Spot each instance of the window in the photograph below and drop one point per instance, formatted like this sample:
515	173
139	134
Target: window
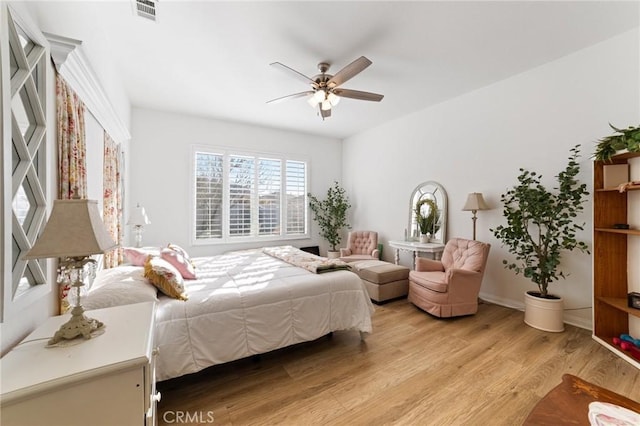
242	196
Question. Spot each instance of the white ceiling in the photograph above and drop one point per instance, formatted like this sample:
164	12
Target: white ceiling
212	59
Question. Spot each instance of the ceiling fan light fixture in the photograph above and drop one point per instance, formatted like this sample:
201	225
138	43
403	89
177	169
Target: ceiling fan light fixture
312	101
320	95
325	91
333	99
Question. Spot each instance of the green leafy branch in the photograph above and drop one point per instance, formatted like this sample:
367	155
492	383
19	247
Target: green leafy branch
628	139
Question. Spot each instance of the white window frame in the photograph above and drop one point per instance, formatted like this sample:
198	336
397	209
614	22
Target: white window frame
226	153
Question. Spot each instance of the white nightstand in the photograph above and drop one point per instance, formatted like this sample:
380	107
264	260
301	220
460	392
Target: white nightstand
106	380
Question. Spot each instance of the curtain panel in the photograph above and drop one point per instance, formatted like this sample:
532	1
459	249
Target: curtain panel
112	200
72	151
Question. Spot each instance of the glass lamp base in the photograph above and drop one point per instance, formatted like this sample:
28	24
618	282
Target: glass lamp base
138	231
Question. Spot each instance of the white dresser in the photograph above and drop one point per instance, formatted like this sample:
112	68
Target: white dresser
106	380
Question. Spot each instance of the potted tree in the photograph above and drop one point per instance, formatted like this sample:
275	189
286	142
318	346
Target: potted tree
331	215
540	226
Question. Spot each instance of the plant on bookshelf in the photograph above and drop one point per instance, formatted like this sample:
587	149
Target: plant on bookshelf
628	139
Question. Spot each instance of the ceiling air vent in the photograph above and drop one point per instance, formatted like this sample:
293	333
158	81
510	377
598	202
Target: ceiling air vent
146	8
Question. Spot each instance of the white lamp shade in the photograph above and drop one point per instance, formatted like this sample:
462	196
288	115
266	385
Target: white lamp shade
138	217
312	101
333	99
475	202
74	229
319	95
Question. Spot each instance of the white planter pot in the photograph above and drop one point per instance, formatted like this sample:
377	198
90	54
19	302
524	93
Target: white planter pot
333	254
425	238
544	314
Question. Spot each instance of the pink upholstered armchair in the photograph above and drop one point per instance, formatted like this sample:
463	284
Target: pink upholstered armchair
361	245
450	287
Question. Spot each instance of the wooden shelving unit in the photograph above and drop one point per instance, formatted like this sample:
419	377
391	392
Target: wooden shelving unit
610	282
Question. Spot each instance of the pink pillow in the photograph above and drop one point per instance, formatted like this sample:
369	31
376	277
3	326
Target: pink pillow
180	250
179	261
138	256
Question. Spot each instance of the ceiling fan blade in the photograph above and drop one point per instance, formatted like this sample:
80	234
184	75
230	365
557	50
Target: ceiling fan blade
357	94
324	113
349	71
294	73
295	95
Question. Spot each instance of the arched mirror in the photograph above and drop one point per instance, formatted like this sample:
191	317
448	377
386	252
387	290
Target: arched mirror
428	213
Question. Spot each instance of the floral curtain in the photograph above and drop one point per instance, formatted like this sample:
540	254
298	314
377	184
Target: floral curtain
72	174
112	200
72	151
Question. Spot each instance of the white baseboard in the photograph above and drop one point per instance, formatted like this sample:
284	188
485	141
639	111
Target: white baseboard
509	303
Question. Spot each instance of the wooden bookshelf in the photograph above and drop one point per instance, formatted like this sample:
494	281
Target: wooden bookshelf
610	281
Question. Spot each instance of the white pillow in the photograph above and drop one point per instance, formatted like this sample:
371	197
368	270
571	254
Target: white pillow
123	285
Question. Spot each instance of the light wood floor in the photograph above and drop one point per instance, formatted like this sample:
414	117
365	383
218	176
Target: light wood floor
486	369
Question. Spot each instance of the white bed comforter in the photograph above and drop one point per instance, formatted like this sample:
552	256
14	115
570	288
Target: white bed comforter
245	303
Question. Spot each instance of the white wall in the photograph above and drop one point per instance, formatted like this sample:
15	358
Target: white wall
477	143
160	169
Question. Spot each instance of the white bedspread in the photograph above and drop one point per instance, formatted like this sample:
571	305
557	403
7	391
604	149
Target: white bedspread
245	303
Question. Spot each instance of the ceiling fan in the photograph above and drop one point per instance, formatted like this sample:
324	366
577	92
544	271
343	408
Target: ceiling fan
325	91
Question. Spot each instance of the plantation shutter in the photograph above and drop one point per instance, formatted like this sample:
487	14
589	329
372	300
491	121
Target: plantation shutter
296	197
269	186
209	190
241	190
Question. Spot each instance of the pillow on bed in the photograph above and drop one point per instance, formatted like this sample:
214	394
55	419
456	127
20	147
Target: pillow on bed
138	256
123	285
180	250
164	276
180	262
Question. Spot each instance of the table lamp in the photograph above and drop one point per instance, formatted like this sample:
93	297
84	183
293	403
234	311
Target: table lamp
73	232
138	219
474	203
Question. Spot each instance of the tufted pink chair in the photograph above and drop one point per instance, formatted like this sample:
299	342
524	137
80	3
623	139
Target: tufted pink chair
361	245
450	287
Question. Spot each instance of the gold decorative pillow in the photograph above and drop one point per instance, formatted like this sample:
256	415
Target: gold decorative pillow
165	276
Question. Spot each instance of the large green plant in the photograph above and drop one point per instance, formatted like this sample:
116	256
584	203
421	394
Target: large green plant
541	224
427	220
628	139
331	214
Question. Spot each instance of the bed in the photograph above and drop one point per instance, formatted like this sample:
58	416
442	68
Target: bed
242	303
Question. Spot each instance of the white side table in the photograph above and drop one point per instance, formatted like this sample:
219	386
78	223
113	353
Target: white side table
106	380
416	247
